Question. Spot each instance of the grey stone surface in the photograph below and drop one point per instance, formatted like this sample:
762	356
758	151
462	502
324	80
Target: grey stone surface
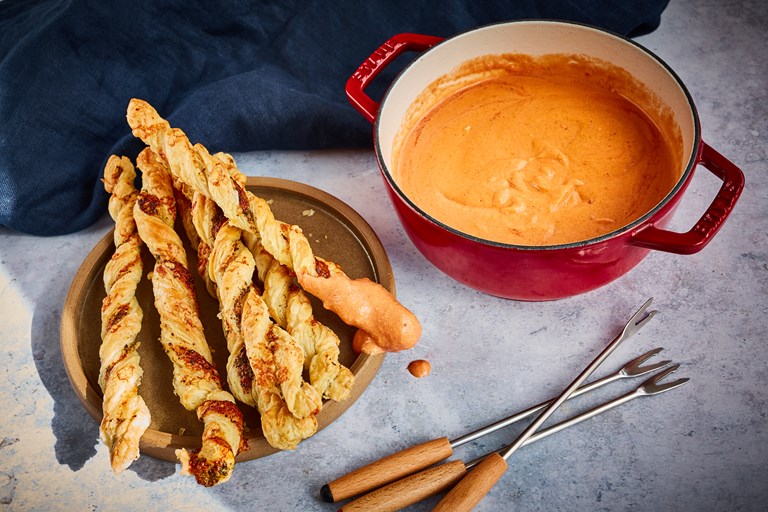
702	447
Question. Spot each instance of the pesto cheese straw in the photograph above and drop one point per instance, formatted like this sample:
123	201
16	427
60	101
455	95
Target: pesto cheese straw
388	323
125	415
195	379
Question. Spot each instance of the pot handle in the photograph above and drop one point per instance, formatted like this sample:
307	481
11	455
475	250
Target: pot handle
374	64
710	222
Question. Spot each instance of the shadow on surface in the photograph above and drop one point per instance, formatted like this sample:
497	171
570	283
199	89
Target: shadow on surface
76	432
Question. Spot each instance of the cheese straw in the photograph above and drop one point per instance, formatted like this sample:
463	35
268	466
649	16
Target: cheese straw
195	379
125	415
360	302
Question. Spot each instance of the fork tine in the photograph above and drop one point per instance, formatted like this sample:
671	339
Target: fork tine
634	367
638	320
669	385
652	386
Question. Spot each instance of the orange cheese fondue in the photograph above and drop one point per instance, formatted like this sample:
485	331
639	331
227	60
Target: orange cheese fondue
537	151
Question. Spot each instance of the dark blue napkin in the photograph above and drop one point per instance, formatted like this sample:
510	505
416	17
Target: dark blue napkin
236	75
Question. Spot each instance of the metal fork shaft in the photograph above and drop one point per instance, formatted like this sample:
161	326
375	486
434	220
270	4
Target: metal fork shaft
640	318
554	429
415	488
647	388
493	427
630	369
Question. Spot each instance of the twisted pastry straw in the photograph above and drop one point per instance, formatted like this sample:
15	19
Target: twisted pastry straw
292	310
287	415
195	379
239	372
261	337
362	303
228	251
287	303
233	266
125	415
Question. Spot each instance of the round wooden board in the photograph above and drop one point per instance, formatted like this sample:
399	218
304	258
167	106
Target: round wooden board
336	233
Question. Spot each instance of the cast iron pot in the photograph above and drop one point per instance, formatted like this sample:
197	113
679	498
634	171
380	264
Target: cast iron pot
541	272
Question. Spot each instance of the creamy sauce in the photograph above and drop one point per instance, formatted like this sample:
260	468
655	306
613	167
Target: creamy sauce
419	368
538	151
386	325
363	343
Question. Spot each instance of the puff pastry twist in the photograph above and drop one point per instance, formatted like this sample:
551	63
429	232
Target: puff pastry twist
125	415
360	302
265	373
292	310
289	306
195	379
198	221
262	338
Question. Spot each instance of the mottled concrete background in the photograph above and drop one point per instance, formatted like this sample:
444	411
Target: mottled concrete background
702	447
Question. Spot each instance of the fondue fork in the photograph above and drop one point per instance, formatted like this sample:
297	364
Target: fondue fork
417	487
410	460
476	484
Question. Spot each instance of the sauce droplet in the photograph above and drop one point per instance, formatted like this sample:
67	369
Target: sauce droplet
419	368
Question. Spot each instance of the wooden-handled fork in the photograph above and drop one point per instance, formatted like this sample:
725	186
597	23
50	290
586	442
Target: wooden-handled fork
417	487
411	460
476	484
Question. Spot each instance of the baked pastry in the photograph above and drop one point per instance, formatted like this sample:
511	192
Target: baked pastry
359	302
203	222
125	415
195	379
292	310
281	428
288	305
279	366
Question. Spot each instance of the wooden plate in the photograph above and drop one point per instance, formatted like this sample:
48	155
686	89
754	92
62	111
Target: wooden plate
336	233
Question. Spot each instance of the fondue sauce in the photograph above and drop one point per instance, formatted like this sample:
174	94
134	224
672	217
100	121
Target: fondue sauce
537	151
385	324
419	368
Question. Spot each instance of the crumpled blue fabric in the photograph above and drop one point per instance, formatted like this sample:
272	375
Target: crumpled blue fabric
237	75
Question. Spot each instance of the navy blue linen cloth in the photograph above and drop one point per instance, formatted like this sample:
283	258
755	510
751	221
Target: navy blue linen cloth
235	75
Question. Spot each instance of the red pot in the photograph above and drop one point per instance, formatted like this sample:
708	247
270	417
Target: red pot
544	272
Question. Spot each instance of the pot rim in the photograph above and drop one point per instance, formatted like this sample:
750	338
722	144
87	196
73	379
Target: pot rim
679	185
